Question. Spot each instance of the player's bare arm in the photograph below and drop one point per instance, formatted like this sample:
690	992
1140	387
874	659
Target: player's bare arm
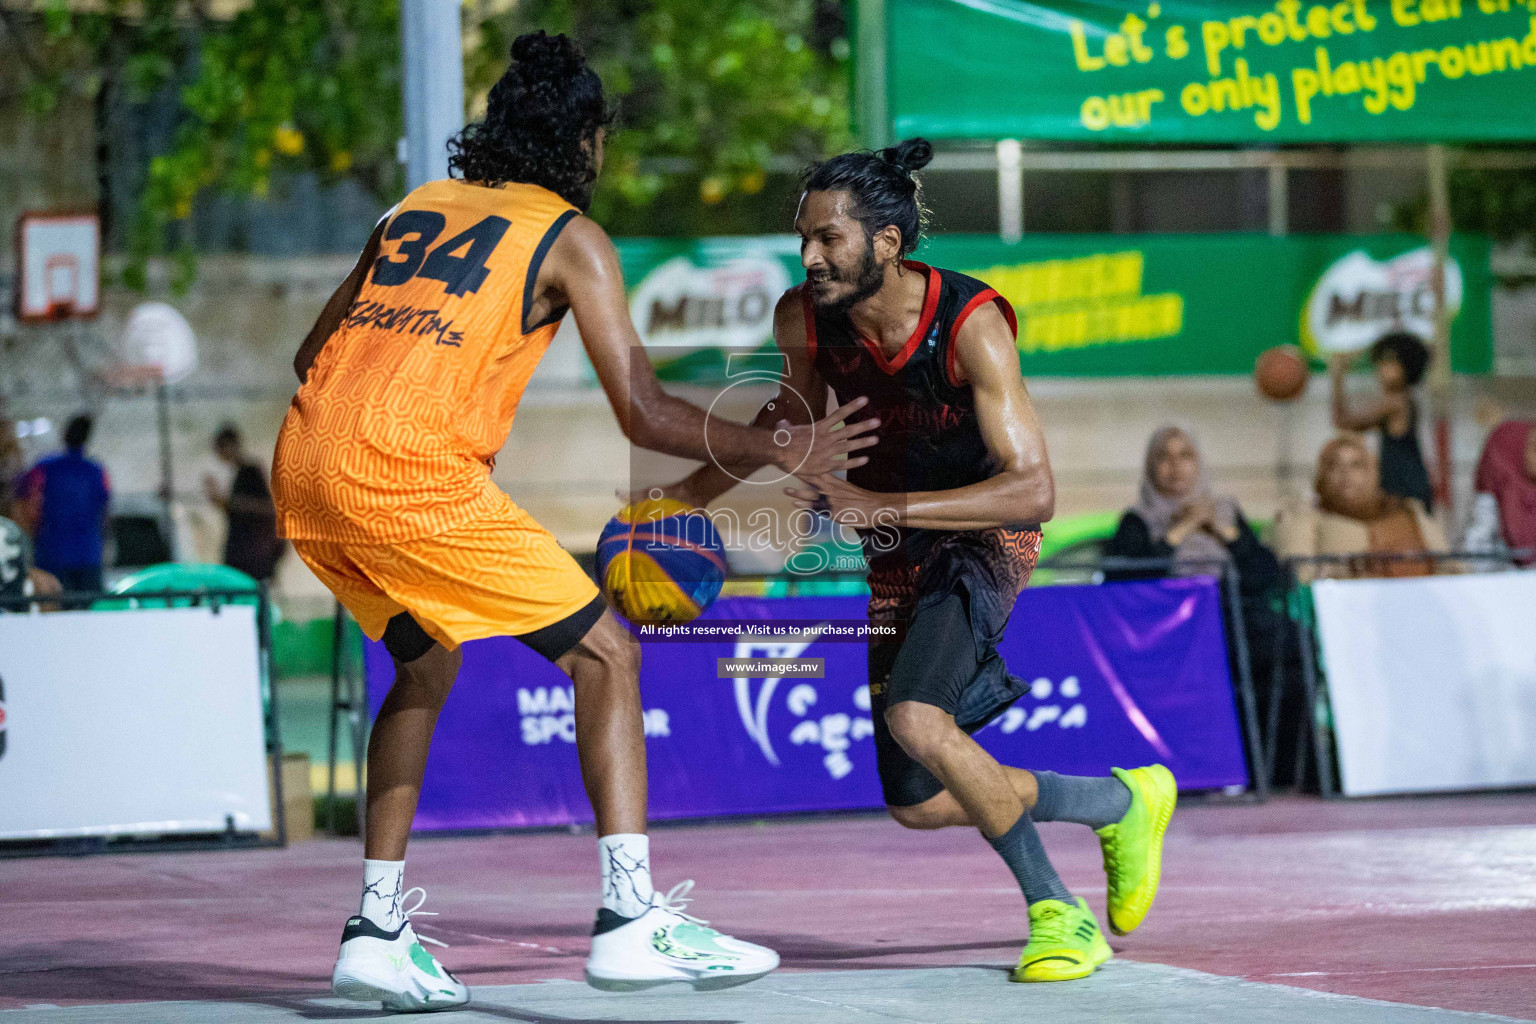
1021	491
336	307
710	481
584	266
1391	410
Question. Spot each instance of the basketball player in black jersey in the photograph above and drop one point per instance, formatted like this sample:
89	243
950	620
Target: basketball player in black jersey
949	500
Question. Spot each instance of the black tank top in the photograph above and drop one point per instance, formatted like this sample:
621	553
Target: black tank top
930	439
1402	463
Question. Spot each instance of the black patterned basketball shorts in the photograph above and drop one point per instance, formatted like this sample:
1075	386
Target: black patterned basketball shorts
950	607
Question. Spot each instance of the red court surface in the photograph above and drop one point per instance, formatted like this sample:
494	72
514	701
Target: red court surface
1423	901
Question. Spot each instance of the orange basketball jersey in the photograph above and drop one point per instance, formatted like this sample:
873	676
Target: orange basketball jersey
391	436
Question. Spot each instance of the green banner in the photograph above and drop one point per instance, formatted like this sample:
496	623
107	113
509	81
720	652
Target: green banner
1095	305
1212	71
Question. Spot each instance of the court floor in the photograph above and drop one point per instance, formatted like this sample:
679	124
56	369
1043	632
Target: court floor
1297	910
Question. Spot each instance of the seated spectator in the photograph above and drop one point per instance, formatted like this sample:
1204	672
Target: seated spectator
19	578
15	558
1355	517
1178	516
1504	508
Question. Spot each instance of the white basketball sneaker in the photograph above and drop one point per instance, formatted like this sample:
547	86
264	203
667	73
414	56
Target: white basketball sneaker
392	967
664	945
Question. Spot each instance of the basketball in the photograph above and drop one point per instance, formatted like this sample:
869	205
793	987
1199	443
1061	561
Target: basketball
660	561
1281	373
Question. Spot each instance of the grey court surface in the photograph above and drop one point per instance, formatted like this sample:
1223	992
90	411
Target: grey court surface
1123	992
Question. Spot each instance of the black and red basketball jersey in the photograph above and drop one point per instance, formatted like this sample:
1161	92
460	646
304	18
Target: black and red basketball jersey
930	439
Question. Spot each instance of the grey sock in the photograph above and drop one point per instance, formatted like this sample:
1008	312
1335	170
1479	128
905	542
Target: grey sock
1022	851
1093	801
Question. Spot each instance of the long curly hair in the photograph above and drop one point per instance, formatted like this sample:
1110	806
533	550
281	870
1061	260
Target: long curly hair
540	123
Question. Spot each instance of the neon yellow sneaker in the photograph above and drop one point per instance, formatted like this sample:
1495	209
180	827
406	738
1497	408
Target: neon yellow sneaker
1133	846
1064	943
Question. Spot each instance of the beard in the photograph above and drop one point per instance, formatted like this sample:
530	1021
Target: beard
867	278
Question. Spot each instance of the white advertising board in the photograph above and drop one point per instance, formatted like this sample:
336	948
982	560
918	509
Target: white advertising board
130	722
1432	681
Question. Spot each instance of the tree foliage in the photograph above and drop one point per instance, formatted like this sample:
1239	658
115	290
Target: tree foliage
711	88
709	92
1498	203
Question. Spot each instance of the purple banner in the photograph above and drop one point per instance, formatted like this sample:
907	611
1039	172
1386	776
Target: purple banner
1122	674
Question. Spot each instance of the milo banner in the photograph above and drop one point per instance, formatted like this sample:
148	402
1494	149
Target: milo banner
1095	305
1120	674
1212	71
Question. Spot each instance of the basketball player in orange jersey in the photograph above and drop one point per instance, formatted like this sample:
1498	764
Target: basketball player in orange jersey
409	382
950	503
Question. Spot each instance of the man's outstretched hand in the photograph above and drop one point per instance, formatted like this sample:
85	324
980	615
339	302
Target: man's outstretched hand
826	446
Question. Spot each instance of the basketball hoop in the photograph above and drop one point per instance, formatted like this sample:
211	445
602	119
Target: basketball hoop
59	260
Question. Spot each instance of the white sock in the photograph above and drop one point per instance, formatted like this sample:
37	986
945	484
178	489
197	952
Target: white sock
383	885
626	868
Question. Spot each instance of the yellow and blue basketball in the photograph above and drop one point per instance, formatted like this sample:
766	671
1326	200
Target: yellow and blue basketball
660	561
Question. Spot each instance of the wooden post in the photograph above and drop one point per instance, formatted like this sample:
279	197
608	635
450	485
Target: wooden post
1439	228
1279	201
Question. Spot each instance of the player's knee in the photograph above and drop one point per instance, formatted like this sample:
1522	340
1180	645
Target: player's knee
921	729
919	816
610	646
425	682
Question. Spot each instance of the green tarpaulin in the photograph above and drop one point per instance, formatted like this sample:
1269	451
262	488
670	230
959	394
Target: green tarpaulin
1094	305
1232	72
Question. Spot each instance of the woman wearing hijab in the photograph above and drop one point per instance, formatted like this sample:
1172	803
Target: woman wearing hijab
1177	516
1355	517
1504	510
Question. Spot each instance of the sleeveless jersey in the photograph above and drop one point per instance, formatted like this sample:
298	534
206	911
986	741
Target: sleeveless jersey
930	439
392	435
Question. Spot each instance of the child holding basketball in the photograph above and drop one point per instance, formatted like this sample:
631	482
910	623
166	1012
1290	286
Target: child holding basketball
1400	360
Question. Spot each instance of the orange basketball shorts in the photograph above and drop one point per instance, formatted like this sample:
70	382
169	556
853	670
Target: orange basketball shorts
501	574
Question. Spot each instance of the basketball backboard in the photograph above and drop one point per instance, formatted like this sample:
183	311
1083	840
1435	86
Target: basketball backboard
58	263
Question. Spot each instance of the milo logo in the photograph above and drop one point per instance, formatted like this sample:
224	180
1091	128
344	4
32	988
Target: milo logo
1358	299
729	305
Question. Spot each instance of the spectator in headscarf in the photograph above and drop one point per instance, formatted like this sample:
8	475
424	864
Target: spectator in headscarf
1504	509
1355	517
1177	515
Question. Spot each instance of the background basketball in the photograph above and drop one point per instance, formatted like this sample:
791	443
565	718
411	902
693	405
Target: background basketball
659	561
1281	373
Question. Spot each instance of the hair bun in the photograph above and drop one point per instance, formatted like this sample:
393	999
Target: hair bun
548	56
910	155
